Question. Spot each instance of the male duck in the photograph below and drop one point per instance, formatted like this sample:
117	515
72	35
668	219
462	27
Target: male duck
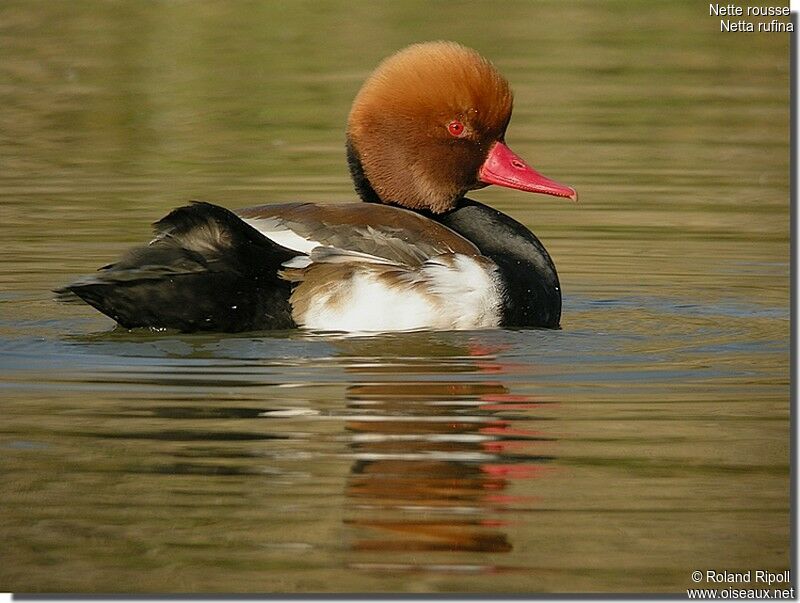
427	126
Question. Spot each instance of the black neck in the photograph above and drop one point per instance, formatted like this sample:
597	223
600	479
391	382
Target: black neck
360	181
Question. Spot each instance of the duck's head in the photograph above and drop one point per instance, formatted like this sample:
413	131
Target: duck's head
429	125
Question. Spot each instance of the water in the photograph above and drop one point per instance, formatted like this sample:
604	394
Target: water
647	438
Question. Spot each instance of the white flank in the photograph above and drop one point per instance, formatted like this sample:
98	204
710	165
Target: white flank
469	287
451	291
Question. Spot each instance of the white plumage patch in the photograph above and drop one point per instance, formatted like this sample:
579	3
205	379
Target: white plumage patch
360	292
452	291
282	235
468	286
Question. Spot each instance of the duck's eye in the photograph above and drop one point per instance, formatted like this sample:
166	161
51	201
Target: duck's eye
456	128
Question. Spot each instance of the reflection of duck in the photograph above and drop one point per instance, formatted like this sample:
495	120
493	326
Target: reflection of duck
426	127
432	466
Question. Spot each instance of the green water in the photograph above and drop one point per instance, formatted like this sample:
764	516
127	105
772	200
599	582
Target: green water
646	439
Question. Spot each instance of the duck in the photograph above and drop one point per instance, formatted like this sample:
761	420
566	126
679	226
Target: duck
414	253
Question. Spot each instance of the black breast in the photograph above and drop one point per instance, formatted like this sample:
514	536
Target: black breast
533	294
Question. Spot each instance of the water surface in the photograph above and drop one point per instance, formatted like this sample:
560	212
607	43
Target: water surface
647	438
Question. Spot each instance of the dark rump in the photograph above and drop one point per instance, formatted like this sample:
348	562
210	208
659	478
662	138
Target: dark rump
206	270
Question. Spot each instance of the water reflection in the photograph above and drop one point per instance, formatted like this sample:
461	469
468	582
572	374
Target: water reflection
436	463
438	443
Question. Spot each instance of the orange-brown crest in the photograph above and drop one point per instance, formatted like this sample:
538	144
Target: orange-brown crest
399	123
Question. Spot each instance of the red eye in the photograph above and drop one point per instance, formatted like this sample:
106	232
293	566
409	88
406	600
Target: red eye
456	128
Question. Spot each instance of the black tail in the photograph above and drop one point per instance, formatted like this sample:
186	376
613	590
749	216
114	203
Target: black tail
206	270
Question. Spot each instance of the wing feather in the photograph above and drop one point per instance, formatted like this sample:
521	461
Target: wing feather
394	234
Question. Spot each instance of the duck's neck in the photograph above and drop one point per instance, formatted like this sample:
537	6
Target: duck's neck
360	181
533	293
